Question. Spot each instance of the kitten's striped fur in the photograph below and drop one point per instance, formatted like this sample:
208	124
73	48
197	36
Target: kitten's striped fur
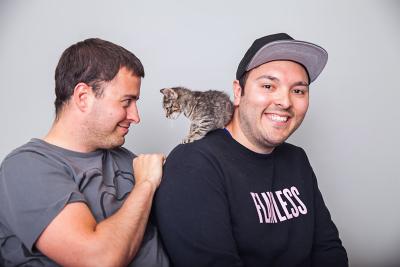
207	111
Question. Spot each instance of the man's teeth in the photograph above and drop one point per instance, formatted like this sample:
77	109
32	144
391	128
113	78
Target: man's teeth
275	117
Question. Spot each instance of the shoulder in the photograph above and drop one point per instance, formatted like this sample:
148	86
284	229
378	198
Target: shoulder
289	154
203	156
33	159
293	159
287	149
122	152
121	157
209	146
192	168
29	151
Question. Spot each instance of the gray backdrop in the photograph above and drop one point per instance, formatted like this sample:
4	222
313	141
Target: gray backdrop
351	132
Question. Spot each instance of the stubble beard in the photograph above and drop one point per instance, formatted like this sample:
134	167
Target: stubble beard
100	138
248	124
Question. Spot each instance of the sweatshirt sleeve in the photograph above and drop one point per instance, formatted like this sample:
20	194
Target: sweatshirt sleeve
192	212
327	246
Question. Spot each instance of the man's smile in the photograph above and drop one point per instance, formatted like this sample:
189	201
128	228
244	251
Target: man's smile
277	118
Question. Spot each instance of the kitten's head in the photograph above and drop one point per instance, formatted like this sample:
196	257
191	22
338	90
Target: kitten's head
171	104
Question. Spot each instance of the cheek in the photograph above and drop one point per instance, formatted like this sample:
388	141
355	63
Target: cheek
116	114
301	107
255	99
122	114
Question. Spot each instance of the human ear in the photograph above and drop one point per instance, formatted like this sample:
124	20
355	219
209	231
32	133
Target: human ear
82	96
237	92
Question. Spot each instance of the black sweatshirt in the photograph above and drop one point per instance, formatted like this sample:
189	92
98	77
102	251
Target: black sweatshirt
221	204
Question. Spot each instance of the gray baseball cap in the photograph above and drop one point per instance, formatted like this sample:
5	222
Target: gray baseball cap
281	46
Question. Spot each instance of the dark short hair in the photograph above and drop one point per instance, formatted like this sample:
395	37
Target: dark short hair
243	80
91	61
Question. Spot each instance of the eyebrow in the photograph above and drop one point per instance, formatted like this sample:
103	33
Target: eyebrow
135	97
268	77
275	79
301	83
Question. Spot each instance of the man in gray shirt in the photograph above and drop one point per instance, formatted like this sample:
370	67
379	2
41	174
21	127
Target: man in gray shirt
76	197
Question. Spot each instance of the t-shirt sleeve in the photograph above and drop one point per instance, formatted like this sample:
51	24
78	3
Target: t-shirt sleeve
327	246
33	190
192	212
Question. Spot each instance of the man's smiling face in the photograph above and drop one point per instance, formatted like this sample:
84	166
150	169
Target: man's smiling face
274	103
113	112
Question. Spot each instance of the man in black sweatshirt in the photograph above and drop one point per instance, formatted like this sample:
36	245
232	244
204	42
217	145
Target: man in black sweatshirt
242	196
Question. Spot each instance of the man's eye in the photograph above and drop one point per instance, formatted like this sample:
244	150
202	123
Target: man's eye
267	86
299	91
127	102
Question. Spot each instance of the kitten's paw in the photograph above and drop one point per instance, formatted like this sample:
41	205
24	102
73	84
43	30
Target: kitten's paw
187	140
192	138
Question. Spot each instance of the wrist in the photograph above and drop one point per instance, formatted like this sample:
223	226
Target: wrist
149	183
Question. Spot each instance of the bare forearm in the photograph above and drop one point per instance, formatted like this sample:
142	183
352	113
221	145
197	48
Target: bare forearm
115	240
121	234
124	231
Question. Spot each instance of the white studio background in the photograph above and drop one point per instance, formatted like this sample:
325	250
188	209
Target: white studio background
351	132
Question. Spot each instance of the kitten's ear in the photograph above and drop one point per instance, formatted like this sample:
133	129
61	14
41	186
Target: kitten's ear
170	93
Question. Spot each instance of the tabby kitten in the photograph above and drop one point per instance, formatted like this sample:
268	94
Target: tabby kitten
207	110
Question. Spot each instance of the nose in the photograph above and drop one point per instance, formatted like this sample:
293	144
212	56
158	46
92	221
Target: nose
133	113
282	98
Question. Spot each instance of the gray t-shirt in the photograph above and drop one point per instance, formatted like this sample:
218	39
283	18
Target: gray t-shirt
38	179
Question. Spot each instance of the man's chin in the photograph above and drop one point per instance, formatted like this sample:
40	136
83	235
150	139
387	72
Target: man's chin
114	143
121	142
272	143
277	139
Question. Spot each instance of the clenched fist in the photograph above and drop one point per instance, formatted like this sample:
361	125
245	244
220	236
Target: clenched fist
148	167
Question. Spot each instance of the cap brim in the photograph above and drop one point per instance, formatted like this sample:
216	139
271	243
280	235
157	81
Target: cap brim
311	56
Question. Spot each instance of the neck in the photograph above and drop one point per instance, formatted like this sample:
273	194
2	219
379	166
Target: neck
68	134
237	133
